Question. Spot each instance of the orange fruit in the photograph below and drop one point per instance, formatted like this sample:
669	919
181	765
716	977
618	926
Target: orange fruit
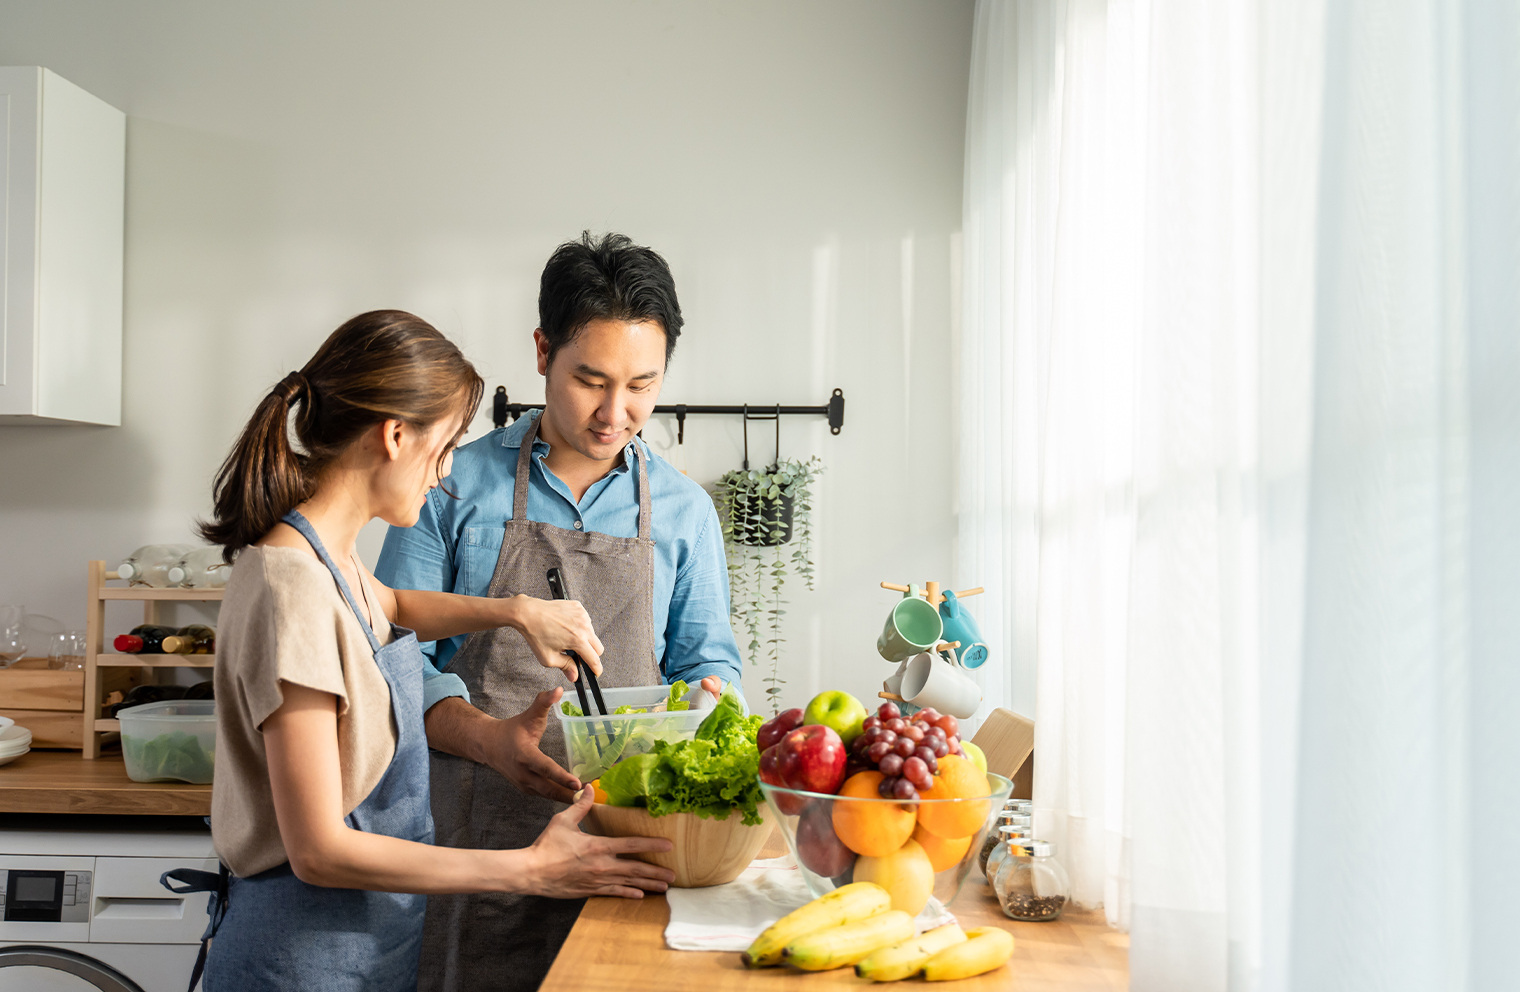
957	779
597	795
942	853
874	829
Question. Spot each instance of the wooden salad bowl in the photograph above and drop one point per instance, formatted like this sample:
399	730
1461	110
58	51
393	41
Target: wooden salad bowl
703	851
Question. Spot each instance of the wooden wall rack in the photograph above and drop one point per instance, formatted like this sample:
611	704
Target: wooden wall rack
97	662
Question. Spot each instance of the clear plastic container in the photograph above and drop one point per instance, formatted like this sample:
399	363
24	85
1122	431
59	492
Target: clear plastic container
594	744
1007	818
172	740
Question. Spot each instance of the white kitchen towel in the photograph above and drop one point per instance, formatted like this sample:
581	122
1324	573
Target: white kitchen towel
729	917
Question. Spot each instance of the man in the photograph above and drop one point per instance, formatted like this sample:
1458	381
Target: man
641	548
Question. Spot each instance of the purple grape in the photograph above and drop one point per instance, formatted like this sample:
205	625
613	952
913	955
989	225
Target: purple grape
878	751
915	771
915	732
891	765
935	730
928	757
938	746
888	711
928	714
903	789
870	723
883	734
904	746
897	725
887	787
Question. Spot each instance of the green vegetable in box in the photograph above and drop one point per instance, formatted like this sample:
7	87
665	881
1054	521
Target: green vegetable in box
712	775
586	761
176	755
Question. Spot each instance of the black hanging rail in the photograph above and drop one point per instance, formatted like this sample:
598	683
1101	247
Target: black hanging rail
833	409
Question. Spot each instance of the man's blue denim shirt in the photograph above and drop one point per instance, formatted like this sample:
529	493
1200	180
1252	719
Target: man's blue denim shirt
455	544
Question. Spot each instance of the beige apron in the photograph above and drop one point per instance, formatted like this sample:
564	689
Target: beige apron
507	942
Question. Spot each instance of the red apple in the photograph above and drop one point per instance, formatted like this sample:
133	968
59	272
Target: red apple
777	727
812	758
818	848
769	774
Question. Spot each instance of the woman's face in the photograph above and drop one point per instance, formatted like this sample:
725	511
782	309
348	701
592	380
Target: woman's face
416	460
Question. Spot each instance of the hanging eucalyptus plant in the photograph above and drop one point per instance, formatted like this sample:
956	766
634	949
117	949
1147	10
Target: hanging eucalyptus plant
761	513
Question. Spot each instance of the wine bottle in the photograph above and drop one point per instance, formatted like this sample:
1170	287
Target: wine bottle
149	565
194	639
201	568
145	638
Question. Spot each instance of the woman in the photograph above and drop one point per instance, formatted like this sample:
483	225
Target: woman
320	803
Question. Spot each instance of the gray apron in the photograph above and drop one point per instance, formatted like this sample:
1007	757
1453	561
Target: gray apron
503	941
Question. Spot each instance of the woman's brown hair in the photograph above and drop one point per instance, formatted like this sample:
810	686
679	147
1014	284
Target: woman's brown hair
382	365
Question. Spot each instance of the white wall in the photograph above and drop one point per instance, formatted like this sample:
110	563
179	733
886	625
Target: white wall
293	163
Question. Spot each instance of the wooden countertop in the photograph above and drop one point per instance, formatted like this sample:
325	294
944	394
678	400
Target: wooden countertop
618	945
63	782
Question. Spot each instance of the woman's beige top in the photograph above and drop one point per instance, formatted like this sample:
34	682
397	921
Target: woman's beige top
284	619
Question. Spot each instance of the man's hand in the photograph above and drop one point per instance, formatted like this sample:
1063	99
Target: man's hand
509	746
553	626
714	685
568	863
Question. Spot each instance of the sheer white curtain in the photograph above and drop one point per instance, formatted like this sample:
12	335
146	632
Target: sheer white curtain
1240	466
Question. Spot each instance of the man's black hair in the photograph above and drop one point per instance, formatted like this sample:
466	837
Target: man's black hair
609	278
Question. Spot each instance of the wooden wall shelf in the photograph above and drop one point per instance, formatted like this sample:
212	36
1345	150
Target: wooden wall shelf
100	666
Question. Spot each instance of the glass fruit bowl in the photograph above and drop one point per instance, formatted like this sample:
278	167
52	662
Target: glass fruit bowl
906	846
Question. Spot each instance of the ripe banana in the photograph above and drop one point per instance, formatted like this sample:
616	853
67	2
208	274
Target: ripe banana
985	948
907	959
846	904
846	945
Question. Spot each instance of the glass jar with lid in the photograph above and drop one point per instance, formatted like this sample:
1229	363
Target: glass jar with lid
1014	825
1030	883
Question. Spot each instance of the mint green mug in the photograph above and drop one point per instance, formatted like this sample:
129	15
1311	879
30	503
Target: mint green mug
913	626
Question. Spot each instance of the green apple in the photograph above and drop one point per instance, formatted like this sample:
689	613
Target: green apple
839	711
975	754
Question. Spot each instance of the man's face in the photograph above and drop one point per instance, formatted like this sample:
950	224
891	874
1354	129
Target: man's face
601	387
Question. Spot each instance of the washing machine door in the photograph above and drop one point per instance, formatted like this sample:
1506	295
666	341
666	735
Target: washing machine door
52	969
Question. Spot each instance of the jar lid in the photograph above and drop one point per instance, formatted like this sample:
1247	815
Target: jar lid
1029	847
1022	805
1019	830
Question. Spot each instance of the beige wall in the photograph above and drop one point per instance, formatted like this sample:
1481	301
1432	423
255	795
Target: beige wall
292	163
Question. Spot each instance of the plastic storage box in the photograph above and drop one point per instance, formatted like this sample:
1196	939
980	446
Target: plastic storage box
596	743
172	740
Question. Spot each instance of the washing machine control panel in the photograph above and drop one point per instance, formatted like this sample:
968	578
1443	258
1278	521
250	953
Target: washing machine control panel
39	896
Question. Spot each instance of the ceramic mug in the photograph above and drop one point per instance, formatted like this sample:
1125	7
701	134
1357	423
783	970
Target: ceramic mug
961	626
932	681
912	626
893	683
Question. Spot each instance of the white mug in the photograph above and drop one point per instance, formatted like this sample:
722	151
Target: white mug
929	681
893	683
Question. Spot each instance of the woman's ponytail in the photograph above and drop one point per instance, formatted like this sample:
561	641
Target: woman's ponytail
264	476
381	365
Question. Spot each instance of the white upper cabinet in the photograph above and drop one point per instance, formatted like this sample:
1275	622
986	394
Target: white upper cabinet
62	183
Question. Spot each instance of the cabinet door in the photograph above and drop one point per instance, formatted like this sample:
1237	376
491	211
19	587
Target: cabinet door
62	173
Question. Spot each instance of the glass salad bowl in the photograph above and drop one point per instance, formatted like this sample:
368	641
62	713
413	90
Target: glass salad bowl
913	848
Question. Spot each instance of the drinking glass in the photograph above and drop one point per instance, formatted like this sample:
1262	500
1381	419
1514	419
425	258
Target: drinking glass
66	651
12	636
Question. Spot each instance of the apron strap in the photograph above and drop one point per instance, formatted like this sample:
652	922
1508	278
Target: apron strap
525	464
524	467
309	532
194	880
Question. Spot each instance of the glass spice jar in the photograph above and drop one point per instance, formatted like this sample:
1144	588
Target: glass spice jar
1016	825
1030	884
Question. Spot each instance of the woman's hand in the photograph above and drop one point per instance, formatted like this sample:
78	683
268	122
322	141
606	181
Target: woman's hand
554	626
568	864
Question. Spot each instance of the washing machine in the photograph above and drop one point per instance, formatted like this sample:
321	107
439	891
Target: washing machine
84	910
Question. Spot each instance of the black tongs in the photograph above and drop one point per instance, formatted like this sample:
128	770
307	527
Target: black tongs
559	590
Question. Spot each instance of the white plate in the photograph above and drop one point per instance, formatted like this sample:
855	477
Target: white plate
5	721
12	737
6	759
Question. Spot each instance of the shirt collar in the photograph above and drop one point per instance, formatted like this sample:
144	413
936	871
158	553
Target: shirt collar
512	437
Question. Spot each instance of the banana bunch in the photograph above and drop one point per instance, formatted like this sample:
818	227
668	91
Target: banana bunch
845	905
839	947
941	954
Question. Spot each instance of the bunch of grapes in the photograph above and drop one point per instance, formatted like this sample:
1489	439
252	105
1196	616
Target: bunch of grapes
906	752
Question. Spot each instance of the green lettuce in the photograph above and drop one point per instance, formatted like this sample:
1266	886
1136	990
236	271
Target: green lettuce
713	774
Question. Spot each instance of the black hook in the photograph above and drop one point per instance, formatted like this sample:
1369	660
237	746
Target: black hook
746	437
680	423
